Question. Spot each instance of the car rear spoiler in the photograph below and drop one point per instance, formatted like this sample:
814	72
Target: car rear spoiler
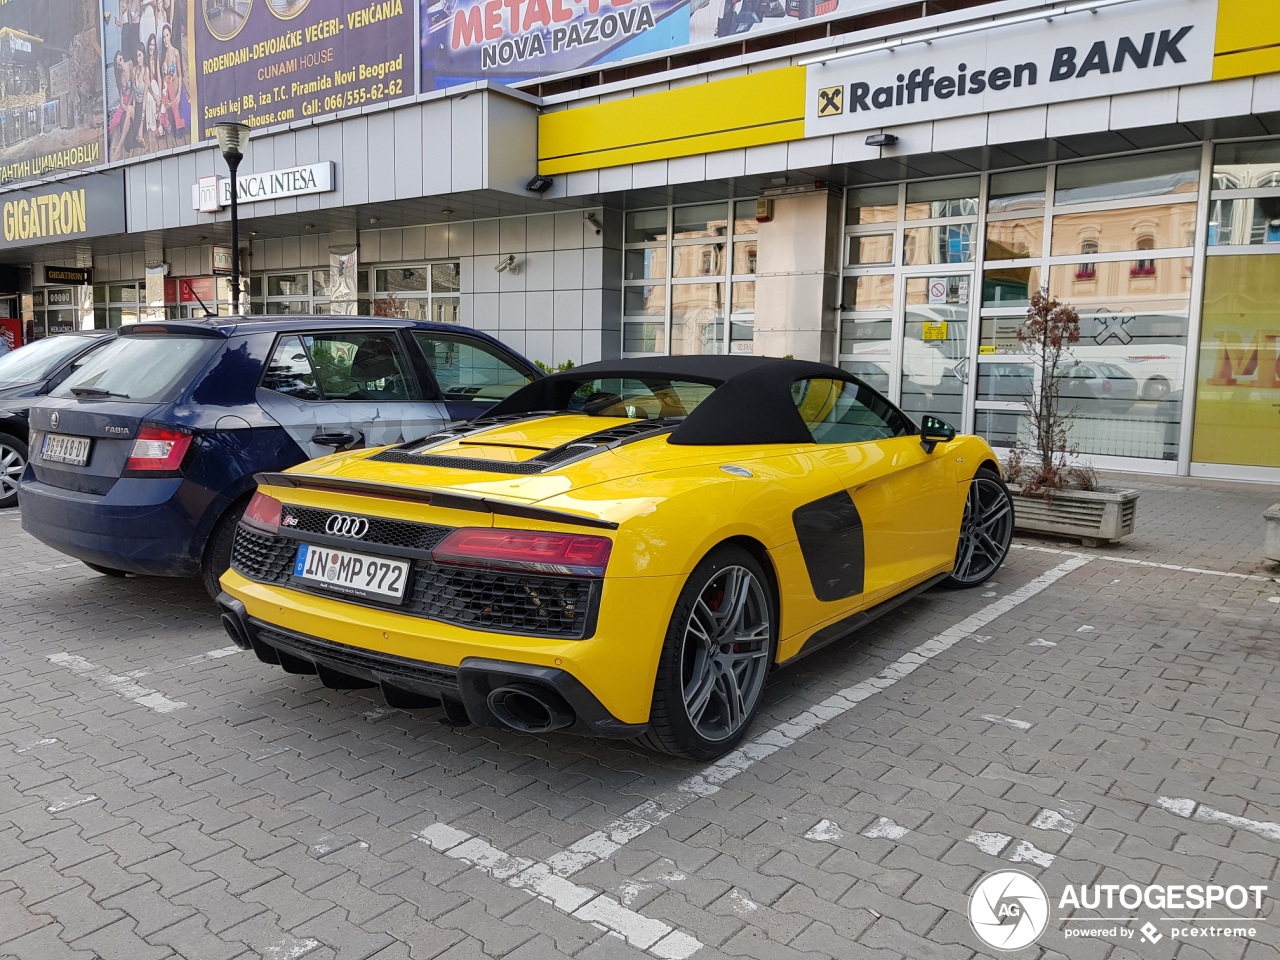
185	328
451	501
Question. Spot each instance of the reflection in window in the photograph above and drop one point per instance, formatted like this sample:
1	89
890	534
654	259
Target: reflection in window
1087	270
1144	267
1122	178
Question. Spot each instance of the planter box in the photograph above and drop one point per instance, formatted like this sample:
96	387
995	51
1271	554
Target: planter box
1271	545
1093	516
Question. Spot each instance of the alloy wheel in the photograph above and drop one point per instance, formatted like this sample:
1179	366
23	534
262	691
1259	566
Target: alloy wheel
985	531
12	463
725	653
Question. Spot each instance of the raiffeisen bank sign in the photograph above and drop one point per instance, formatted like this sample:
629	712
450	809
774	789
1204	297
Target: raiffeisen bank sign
1142	45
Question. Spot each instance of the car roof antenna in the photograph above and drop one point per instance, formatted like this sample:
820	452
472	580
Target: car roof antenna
204	306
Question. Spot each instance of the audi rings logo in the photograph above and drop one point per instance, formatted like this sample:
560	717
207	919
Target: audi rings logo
1008	910
342	525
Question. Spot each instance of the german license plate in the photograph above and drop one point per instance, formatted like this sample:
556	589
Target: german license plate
63	449
352	574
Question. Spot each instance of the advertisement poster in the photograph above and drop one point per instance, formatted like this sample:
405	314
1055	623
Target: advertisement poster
1238	394
50	87
264	62
514	40
147	59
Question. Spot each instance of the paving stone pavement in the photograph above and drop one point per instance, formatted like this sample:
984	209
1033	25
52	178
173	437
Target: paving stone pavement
1092	717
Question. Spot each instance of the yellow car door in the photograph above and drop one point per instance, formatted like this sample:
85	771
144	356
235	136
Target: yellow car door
895	485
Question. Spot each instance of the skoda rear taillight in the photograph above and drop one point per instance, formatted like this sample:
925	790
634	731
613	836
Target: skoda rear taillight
158	450
263	513
570	554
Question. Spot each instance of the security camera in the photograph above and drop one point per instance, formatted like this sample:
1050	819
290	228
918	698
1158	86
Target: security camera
508	264
590	218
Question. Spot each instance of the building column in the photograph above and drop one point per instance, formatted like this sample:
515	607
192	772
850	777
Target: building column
798	278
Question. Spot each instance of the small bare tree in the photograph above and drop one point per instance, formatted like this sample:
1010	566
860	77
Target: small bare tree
1043	465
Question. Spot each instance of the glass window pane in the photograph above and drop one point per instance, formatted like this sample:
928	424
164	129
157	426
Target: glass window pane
872	205
842	411
320	282
1009	382
744	257
1248	220
643	337
866	350
999	335
123	293
468	369
400	279
647	263
289	285
289	371
877	248
1001	428
744	297
1015	239
701	220
360	366
1246	165
287	307
1129	228
698	260
446	310
1009	286
949	244
1122	178
697	315
744	218
646	226
646	301
939	291
943	198
935	341
1017	190
873	292
446	277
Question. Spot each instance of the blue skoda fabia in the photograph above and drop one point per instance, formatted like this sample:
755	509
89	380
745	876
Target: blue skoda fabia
143	460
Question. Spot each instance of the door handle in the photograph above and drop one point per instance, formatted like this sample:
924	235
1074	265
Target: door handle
335	440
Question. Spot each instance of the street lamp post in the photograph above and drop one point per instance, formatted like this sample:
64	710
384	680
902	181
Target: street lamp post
233	141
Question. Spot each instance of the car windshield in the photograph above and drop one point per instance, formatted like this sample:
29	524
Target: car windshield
143	368
643	399
36	361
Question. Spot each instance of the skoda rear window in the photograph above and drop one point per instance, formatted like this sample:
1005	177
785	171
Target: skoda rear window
153	369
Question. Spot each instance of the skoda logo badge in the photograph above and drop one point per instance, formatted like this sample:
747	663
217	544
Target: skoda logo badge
342	525
53	420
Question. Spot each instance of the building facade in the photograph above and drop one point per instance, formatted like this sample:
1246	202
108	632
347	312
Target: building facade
851	181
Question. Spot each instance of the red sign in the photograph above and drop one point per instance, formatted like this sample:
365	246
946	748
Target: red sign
11	332
194	290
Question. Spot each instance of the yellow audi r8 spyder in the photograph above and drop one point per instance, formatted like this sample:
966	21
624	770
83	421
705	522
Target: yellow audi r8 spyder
625	549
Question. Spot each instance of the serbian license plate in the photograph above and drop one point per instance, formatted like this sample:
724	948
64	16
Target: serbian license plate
62	449
352	574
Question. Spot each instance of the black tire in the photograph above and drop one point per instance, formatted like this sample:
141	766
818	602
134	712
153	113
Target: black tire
217	552
724	708
13	460
1157	388
985	531
105	571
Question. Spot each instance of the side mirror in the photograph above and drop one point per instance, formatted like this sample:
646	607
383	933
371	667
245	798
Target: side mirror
933	431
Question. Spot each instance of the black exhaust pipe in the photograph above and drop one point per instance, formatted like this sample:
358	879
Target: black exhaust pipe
234	631
530	709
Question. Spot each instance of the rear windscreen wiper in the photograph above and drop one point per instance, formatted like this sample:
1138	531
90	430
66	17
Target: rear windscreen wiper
96	392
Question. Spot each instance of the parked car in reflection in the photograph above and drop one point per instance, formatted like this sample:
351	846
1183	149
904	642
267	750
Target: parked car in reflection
26	374
1107	384
143	459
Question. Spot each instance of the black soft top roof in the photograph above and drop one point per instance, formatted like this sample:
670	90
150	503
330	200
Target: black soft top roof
751	403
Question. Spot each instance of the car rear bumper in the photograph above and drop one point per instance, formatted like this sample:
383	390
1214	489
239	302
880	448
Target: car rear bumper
607	679
141	526
464	691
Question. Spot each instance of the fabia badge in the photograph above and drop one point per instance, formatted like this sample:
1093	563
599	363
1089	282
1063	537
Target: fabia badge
1008	910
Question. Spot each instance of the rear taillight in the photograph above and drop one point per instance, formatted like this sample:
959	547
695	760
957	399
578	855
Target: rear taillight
158	450
563	553
263	513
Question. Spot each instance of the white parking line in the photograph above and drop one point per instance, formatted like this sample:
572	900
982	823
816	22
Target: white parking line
123	686
1133	561
583	903
637	821
1184	807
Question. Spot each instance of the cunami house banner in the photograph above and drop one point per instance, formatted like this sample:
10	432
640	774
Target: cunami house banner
264	62
50	87
1145	45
